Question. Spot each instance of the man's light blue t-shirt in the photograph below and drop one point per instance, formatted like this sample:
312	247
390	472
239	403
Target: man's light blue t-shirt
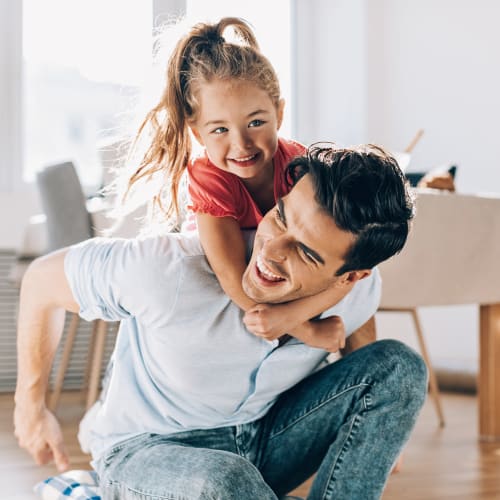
183	358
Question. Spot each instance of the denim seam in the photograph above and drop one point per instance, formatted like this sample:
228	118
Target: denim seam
336	463
238	441
317	407
144	494
367	401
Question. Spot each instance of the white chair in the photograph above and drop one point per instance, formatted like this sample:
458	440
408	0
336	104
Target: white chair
451	258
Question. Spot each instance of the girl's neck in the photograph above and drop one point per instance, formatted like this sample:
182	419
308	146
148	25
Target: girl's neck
261	189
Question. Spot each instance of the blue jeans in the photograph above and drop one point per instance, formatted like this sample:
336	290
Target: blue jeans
347	422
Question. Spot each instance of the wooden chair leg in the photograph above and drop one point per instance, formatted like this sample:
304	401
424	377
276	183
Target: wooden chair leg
433	386
90	354
97	355
63	365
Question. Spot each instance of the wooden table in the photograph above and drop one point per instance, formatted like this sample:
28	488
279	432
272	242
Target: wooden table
452	257
489	373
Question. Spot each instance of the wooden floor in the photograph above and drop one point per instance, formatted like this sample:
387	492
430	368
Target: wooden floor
438	463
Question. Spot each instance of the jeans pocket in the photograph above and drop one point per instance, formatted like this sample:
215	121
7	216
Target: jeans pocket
108	456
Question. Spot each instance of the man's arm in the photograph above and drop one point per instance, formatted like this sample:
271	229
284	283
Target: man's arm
45	294
364	335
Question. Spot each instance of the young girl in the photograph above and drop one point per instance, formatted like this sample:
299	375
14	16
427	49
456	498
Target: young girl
227	95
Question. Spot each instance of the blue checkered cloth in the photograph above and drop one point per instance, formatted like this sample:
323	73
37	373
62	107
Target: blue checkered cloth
76	484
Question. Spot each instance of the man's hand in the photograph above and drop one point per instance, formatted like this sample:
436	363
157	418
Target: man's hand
39	432
269	321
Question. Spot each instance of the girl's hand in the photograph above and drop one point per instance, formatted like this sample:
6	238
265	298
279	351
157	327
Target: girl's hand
268	321
327	333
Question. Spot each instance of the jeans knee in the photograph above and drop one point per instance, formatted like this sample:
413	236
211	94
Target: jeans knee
406	369
234	478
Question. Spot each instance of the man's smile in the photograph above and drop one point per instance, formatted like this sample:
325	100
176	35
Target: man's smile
264	272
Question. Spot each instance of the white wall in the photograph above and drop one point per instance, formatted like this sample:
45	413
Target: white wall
378	70
435	65
330	71
15	205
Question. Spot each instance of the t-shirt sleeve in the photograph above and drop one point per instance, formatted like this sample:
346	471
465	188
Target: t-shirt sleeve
360	304
213	191
111	279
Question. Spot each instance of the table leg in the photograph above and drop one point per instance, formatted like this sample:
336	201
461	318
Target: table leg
489	373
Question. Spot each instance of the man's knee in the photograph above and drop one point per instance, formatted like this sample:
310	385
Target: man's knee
209	475
233	478
405	370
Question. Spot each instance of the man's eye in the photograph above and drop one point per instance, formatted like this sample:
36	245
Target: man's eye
278	218
256	123
219	130
308	256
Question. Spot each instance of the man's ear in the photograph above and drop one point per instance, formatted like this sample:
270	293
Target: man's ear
196	134
351	277
280	112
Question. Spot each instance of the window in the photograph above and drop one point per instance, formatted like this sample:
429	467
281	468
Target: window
271	21
84	62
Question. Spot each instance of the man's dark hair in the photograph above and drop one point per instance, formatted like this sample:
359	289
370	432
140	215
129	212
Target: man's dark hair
365	192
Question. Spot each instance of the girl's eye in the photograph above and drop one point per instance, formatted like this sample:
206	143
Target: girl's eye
219	130
256	123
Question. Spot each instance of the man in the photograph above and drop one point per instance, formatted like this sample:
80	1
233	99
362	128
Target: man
196	406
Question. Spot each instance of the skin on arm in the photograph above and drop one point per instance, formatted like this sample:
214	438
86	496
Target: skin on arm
224	247
364	335
45	294
272	321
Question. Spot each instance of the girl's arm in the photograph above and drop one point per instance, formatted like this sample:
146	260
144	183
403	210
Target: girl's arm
45	294
224	247
273	320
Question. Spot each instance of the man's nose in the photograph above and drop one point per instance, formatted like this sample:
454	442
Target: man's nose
276	248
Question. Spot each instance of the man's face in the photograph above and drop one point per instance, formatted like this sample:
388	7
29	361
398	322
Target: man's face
297	250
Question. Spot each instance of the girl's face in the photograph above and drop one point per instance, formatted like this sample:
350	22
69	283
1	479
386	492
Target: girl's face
238	125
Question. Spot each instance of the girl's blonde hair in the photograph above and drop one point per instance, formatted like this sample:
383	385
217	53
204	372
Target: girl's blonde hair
201	56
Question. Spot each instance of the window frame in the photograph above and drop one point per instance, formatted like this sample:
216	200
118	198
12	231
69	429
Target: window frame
11	122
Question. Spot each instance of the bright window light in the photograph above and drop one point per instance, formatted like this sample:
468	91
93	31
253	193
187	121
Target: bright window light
84	60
